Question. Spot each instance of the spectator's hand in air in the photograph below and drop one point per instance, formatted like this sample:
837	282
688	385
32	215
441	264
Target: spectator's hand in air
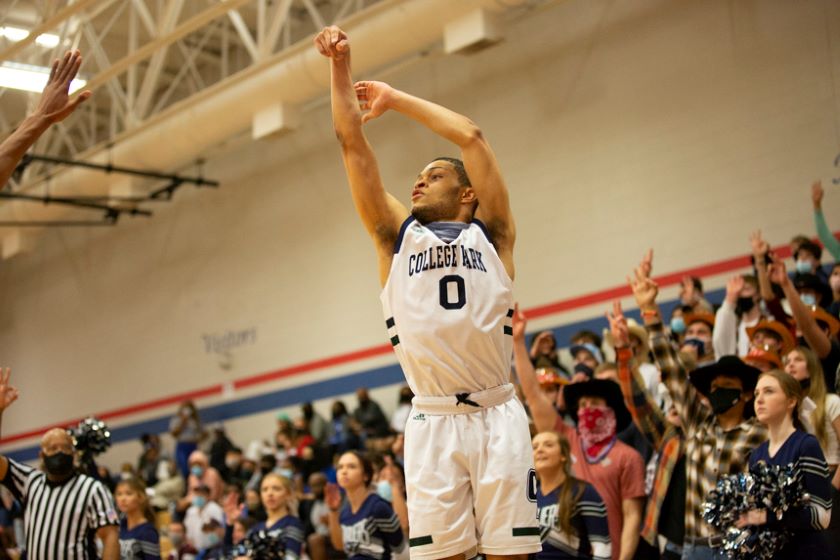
777	272
733	289
618	326
817	194
520	323
55	103
333	43
760	247
232	508
8	394
374	97
644	290
646	265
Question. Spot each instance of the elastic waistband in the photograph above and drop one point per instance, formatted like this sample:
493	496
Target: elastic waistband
464	403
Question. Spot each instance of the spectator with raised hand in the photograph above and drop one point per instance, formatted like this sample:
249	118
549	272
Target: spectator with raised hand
187	431
723	425
816	326
615	469
54	106
665	510
831	244
740	310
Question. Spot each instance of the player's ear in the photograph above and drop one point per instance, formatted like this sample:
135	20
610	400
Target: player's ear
468	195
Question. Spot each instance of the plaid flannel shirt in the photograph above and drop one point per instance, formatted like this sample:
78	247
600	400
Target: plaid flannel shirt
711	451
666	438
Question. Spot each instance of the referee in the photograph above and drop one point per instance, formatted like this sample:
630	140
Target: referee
62	510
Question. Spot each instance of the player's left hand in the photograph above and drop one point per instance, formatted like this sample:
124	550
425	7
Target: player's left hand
520	323
55	103
332	42
374	97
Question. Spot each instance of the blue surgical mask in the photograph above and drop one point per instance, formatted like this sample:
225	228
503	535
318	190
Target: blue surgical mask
808	299
288	473
197	471
383	488
199	501
803	266
212	539
677	325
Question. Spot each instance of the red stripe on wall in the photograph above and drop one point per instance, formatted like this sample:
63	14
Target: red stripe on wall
711	269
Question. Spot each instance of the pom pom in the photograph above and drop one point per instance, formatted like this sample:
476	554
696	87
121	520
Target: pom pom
770	487
265	545
91	436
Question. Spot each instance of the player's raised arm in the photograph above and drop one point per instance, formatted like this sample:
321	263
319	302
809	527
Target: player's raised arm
479	159
55	105
381	214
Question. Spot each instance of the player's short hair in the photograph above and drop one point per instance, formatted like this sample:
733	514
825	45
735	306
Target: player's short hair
463	178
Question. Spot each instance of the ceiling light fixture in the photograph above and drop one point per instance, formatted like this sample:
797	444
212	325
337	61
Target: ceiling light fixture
27	77
15	34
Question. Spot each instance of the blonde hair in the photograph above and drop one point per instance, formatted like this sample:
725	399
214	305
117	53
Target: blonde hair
816	392
291	502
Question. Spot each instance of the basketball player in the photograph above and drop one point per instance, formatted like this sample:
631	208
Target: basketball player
446	269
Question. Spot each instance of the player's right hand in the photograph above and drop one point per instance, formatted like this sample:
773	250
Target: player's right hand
8	394
332	42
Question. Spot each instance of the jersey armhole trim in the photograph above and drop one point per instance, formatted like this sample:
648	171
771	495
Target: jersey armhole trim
484	229
403	227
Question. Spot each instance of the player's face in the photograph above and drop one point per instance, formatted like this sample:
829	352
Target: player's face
127	499
349	472
547	455
435	195
273	493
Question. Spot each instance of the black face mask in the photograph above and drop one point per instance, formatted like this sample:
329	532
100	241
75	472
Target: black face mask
723	399
59	464
805	384
584	369
744	305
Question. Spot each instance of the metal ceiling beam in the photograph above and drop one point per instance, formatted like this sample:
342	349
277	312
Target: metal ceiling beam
149	48
59	17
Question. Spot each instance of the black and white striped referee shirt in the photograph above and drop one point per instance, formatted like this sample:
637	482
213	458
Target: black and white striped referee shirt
60	520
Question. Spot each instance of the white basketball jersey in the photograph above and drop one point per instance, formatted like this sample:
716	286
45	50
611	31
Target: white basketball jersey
448	309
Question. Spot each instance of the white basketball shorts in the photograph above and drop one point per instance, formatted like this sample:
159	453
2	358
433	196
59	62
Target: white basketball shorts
470	476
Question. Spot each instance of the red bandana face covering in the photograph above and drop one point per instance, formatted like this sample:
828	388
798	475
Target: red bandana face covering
596	428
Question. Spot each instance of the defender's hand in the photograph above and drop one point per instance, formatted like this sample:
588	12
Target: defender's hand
55	103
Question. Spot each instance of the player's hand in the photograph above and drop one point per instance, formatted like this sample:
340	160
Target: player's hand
55	103
374	97
332	496
618	326
817	193
8	394
519	322
644	289
760	247
733	288
333	43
